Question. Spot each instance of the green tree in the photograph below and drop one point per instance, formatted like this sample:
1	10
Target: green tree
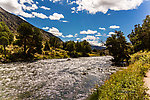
37	41
140	36
47	47
6	37
30	38
54	42
25	36
118	47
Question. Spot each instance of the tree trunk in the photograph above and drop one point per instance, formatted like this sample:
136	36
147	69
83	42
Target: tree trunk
25	47
4	50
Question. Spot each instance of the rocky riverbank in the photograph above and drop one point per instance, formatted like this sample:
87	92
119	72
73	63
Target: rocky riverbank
54	79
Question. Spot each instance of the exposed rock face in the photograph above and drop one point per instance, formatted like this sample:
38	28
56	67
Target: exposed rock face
13	21
54	79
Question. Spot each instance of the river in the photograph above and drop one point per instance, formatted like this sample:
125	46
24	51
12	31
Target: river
54	79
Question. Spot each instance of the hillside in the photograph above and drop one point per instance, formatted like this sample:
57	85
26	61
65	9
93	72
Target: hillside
13	21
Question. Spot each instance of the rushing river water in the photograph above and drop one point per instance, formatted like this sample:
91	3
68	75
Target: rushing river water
54	79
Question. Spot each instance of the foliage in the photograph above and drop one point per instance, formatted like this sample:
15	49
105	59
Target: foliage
54	42
6	37
74	49
140	36
47	46
118	47
126	84
29	38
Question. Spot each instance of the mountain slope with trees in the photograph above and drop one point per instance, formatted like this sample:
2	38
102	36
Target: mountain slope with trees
13	22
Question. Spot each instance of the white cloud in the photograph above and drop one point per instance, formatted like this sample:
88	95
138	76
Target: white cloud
69	36
24	14
114	27
88	32
16	7
40	15
54	1
111	33
64	21
98	34
55	31
45	28
101	28
75	35
89	37
77	38
94	6
96	43
37	2
73	8
32	7
11	6
46	8
56	16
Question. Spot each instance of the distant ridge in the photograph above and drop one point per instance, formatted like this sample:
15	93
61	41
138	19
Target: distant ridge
13	21
97	47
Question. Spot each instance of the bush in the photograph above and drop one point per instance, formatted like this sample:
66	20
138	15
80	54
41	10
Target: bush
126	84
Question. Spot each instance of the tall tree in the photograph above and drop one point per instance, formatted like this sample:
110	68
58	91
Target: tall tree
140	36
25	36
30	38
6	37
54	42
118	47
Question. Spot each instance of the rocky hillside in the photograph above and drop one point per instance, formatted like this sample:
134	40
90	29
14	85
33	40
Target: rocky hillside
13	21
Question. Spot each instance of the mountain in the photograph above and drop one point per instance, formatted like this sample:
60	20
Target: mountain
97	47
13	21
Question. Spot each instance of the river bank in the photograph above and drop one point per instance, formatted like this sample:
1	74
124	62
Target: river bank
54	78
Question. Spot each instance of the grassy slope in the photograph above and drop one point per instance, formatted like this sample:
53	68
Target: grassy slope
126	84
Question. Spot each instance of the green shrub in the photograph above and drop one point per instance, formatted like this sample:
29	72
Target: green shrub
126	84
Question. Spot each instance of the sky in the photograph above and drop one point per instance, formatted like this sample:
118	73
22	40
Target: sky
78	20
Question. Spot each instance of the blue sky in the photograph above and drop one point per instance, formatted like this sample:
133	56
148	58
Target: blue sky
91	20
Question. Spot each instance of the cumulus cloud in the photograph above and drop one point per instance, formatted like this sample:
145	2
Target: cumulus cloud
75	35
111	33
114	27
55	31
101	28
11	6
40	15
96	43
56	16
89	37
88	32
69	36
46	8
32	7
98	34
45	28
54	0
77	38
64	21
17	6
94	6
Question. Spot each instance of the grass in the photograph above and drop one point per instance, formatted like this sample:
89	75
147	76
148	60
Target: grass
126	84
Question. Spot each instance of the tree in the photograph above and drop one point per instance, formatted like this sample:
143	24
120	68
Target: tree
54	42
118	47
6	37
47	47
37	41
25	36
30	38
140	36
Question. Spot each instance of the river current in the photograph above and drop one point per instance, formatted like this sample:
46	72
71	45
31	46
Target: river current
54	79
